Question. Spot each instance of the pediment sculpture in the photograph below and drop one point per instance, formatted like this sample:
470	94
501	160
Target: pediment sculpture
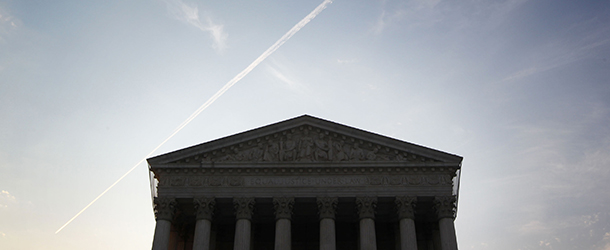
305	144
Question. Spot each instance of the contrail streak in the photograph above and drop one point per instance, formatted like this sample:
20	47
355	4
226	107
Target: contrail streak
209	102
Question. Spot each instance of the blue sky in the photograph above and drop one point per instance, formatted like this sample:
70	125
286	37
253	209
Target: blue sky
519	88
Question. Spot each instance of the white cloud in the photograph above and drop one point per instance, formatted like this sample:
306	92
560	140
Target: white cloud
6	199
190	15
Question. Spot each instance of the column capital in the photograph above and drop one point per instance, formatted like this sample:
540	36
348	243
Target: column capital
283	207
366	206
204	207
164	208
445	206
405	206
327	206
244	207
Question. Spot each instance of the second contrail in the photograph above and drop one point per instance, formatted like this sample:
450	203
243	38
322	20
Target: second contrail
209	102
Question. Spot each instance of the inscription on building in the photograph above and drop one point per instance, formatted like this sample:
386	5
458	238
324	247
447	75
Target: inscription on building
306	181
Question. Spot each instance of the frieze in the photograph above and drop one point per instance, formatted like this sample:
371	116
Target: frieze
304	181
305	144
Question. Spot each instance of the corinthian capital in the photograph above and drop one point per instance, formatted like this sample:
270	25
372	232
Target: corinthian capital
405	206
244	206
327	206
366	207
204	207
283	207
164	208
445	206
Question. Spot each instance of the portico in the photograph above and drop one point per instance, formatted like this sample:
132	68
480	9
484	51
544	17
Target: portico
305	183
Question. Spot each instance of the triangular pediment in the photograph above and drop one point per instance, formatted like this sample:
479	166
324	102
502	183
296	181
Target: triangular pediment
304	139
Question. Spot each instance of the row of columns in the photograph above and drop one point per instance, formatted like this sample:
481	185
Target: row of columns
204	207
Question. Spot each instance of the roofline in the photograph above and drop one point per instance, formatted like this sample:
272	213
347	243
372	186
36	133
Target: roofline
297	122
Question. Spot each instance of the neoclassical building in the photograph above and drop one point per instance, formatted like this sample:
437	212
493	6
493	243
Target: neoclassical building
304	184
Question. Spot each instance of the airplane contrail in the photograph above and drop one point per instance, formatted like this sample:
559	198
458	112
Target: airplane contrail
209	102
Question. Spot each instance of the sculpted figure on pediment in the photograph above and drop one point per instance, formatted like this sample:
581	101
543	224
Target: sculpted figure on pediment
322	148
243	155
271	152
356	153
401	156
288	149
371	155
306	145
256	153
341	151
230	156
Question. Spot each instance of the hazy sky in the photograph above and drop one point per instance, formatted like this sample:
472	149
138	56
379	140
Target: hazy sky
519	88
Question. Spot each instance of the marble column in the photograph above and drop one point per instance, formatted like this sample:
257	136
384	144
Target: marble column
445	210
408	237
243	214
366	211
327	207
283	215
164	213
204	208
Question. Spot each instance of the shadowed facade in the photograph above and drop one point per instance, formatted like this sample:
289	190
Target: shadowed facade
305	183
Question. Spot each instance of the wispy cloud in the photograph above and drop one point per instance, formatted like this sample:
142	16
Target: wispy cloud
284	75
426	13
582	40
190	15
342	61
561	58
417	11
8	23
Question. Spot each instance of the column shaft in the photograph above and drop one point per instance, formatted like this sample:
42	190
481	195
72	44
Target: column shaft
202	235
242	235
326	208
327	234
408	238
164	213
243	213
162	230
368	240
405	205
445	209
283	236
447	231
204	209
366	211
283	214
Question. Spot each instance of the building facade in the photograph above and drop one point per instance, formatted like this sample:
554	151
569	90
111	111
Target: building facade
304	184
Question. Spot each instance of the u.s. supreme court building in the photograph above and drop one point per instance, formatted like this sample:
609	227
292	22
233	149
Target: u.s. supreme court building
305	183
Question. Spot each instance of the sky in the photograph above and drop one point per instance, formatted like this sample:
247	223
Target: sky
519	88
